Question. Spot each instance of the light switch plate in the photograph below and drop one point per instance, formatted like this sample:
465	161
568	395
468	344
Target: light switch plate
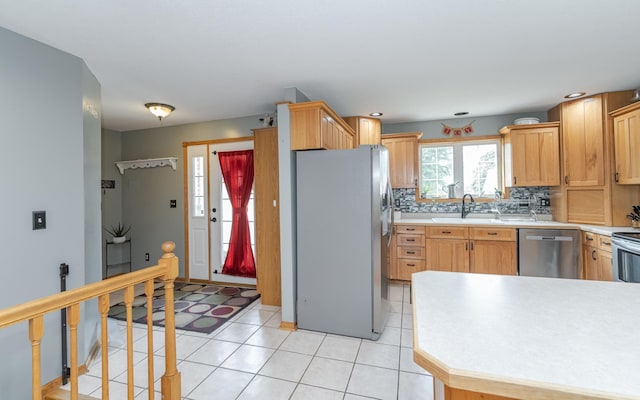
39	220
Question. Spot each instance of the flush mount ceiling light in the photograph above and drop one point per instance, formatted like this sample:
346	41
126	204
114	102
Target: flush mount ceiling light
461	113
160	110
375	114
574	95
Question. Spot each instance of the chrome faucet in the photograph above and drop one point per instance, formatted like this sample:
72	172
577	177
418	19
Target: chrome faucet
467	209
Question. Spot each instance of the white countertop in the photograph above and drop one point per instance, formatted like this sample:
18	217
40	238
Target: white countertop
506	223
527	337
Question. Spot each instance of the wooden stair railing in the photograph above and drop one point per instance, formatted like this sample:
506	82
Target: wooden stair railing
34	311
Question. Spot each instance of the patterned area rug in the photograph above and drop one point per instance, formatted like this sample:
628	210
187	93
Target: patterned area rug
198	307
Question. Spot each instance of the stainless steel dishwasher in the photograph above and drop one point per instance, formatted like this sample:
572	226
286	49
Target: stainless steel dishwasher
553	253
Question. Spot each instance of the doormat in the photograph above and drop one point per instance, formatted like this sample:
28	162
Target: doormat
198	307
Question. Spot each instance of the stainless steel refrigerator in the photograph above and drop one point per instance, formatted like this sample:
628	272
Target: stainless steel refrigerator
344	222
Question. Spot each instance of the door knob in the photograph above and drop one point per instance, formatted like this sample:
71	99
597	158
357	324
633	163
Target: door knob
213	210
214	219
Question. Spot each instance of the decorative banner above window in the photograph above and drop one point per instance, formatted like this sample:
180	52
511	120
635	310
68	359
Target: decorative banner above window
147	163
467	129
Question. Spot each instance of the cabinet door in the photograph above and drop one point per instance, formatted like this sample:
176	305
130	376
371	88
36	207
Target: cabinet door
403	161
447	255
535	159
583	142
605	266
493	257
369	131
267	214
589	262
626	138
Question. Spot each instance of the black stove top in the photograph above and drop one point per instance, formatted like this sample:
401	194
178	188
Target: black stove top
635	236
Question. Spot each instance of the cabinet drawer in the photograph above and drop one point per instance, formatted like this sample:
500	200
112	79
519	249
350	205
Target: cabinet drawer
415	229
408	267
447	232
416	253
410	240
504	234
590	239
604	243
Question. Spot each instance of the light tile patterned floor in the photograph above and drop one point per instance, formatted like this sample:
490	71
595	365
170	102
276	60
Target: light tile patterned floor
249	358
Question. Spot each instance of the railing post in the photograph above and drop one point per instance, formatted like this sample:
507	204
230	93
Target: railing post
36	329
170	381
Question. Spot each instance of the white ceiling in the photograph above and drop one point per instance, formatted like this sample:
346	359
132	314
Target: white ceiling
413	60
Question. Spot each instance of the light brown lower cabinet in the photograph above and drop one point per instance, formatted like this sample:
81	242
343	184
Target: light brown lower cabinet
597	261
408	252
484	250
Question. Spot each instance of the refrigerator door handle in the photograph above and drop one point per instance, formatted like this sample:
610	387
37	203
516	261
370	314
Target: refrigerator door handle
390	209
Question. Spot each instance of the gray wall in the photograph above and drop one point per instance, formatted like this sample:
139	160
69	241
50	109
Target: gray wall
481	127
46	145
146	192
111	198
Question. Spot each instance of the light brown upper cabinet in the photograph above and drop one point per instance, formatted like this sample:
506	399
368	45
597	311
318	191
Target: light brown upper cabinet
626	140
588	193
367	129
532	154
583	142
403	158
314	125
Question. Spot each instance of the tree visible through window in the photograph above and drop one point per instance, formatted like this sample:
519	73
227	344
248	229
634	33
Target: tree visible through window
473	166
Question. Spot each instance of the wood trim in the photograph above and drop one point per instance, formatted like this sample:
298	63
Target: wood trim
464	139
505	130
625	109
185	207
289	326
55	383
417	135
283	102
218	141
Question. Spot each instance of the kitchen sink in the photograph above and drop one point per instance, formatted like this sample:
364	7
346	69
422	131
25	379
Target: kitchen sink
467	220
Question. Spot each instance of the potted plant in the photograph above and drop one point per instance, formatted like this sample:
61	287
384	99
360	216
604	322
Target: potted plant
118	232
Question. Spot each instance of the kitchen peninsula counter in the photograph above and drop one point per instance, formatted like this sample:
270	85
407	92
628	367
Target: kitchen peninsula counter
527	337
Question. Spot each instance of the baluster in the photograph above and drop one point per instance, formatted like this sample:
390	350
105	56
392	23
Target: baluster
73	319
171	379
148	291
103	308
36	329
128	301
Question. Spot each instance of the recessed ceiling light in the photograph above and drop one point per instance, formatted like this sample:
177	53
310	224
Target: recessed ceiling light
574	95
461	113
375	114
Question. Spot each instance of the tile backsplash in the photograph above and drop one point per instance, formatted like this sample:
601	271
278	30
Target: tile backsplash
518	203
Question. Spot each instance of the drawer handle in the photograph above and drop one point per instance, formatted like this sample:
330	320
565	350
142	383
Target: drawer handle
411	229
411	265
606	243
593	255
411	252
589	237
411	240
446	232
492	233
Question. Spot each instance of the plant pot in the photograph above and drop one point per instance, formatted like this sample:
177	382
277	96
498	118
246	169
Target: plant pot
119	239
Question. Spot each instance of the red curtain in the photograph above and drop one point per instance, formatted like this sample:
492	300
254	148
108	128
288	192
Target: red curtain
237	170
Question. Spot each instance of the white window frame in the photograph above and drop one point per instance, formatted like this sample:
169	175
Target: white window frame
458	165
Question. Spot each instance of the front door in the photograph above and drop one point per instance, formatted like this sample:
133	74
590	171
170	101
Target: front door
210	213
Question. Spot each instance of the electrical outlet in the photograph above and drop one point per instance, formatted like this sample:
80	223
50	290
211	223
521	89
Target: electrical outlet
39	220
146	256
545	202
